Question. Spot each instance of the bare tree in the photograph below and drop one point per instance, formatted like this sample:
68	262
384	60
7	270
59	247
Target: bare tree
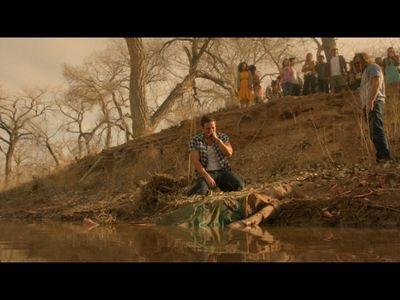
15	114
142	120
220	64
102	83
20	155
75	114
43	136
327	45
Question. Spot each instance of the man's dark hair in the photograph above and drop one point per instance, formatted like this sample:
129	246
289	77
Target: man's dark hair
206	119
252	68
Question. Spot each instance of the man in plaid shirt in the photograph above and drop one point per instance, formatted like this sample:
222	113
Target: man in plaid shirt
210	151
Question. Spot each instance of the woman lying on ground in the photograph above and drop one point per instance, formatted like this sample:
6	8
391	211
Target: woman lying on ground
236	212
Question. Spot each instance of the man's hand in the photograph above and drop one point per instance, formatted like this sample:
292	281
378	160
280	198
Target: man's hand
371	106
210	181
213	136
225	148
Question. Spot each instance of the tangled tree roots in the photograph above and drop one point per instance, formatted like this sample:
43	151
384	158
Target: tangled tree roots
159	189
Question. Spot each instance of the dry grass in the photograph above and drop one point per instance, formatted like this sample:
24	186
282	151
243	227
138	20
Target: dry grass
392	118
278	137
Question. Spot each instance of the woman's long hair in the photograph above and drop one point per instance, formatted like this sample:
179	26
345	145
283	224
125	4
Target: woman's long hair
241	66
364	58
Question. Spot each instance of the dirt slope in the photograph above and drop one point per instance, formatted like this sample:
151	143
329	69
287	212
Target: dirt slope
311	144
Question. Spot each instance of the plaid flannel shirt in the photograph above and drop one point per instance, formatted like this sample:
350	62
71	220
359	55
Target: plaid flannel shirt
199	143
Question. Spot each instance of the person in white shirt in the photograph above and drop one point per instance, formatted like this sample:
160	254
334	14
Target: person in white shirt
336	71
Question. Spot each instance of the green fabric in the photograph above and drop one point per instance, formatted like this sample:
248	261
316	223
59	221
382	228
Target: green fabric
217	213
392	73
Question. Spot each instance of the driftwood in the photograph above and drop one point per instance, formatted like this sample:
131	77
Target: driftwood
91	169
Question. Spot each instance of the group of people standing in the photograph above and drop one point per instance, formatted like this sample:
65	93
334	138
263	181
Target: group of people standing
211	149
332	76
318	76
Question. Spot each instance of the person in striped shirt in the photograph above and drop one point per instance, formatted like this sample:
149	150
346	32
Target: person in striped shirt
209	152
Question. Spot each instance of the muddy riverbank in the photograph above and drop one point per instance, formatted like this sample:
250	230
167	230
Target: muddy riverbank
311	152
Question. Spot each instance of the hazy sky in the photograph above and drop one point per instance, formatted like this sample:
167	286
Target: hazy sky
26	61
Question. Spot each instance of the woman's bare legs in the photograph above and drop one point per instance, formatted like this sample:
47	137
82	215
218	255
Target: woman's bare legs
255	219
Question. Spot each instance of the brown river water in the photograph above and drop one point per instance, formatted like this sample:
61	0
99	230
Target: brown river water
74	242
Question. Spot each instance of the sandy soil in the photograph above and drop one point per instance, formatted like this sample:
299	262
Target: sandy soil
312	152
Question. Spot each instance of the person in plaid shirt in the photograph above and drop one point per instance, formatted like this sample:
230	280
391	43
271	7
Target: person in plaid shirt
210	151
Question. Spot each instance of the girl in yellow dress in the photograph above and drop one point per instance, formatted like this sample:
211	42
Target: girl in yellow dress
245	85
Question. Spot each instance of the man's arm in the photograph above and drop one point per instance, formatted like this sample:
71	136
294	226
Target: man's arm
344	64
374	92
226	148
195	157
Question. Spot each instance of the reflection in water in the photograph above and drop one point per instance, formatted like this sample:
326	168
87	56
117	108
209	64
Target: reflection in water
65	242
226	245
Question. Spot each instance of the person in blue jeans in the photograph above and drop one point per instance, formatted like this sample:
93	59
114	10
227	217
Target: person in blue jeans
323	81
209	153
372	94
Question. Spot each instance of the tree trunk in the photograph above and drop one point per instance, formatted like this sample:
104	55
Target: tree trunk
106	114
327	44
48	146
87	144
108	136
137	91
122	117
231	100
80	147
181	88
9	155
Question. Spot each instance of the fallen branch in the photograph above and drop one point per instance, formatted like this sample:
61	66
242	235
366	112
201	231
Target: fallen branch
379	206
364	195
333	186
258	132
344	193
240	120
91	169
384	207
388	189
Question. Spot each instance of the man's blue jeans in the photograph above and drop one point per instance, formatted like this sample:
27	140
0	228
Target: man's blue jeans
377	131
287	88
227	181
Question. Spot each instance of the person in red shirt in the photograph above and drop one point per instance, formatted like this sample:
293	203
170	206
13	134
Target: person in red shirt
257	90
